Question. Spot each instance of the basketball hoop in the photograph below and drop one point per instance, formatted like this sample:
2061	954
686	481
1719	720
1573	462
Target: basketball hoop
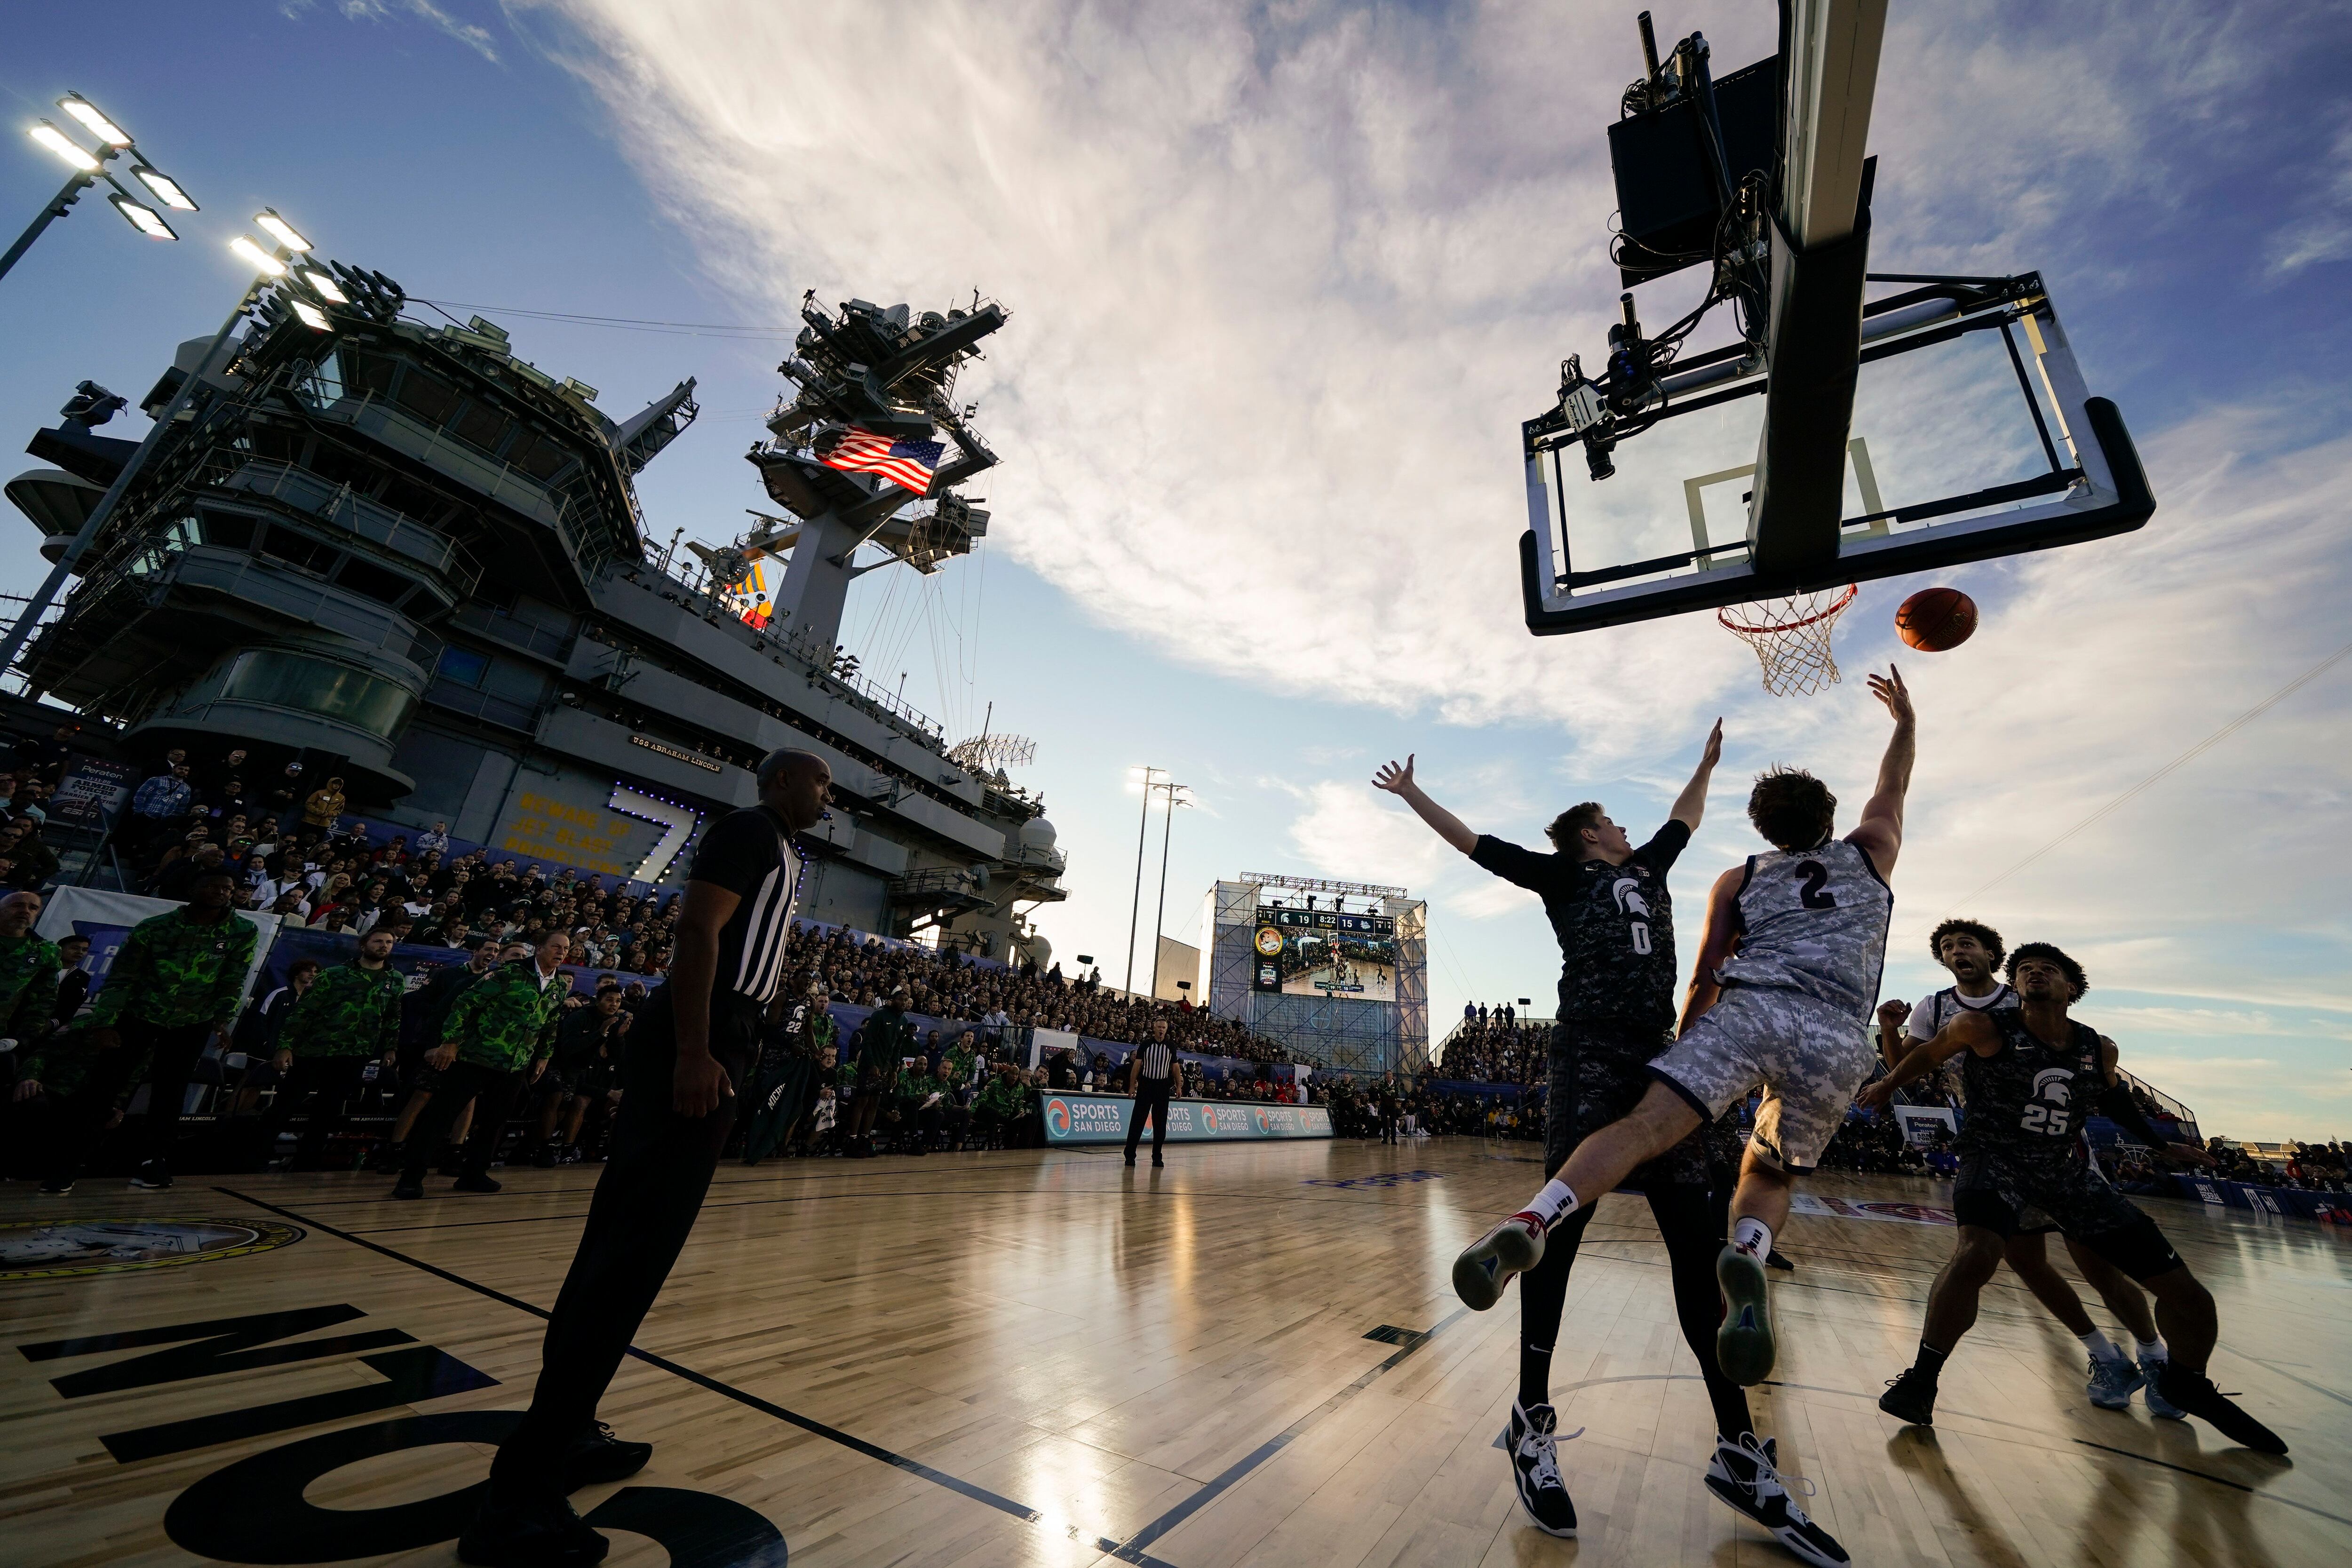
1791	638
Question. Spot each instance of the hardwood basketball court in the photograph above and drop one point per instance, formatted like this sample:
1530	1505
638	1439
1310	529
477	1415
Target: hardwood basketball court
1251	1357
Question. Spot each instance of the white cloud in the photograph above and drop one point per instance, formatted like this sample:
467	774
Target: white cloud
476	39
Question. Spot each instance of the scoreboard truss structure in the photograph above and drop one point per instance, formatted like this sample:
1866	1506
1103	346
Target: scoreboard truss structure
1342	1033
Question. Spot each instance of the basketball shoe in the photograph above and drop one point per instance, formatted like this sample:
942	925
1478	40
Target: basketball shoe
1910	1398
1746	1476
2185	1391
1743	1345
2112	1383
2151	1367
1487	1264
1533	1440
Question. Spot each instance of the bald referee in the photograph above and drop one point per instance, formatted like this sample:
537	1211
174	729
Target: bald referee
689	1047
1154	1069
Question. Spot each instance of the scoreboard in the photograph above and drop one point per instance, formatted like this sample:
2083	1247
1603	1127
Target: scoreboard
1322	952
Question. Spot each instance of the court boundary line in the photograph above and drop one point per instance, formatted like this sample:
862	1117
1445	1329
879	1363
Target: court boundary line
1131	1549
1022	1511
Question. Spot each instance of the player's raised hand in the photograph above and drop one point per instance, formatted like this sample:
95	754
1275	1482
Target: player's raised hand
1889	689
1714	751
1893	1014
1394	779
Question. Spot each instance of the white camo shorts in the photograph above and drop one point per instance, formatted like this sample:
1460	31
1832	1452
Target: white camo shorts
1808	1056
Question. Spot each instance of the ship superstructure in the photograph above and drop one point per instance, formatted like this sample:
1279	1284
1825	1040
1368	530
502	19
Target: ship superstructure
404	556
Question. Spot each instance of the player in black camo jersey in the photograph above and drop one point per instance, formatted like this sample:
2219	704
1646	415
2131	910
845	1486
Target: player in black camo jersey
1608	907
2033	1075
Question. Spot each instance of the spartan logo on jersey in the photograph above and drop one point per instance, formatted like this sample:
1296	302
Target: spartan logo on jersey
2055	1085
1627	891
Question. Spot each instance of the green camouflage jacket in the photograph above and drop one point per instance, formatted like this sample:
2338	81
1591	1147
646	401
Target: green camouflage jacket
173	971
347	1012
1003	1096
506	1020
29	984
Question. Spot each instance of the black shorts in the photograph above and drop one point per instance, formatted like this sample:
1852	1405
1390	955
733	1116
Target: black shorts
2009	1200
1598	1077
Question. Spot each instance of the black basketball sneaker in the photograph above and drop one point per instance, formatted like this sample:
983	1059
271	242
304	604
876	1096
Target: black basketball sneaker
1532	1439
1911	1398
2187	1391
1745	1475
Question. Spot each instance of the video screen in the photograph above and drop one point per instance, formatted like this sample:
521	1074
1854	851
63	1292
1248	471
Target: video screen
1320	953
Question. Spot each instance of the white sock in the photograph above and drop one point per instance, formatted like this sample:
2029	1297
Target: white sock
1552	1204
2151	1350
1752	1237
2102	1347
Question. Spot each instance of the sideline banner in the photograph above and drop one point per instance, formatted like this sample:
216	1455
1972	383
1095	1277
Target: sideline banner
1103	1118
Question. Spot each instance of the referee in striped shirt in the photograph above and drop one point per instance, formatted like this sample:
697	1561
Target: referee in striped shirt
1154	1069
692	1044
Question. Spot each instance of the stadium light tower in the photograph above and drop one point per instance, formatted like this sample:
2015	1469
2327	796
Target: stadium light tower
1178	794
268	267
1139	781
88	168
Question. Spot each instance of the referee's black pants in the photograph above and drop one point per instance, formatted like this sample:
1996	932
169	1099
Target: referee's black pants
1150	1100
656	1172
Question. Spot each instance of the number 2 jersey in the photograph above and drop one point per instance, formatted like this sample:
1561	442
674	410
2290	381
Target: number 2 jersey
1813	922
2027	1100
1615	926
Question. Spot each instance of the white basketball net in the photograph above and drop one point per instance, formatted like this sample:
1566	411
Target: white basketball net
1791	638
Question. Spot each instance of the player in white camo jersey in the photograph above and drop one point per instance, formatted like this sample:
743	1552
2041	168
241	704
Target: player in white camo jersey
1786	978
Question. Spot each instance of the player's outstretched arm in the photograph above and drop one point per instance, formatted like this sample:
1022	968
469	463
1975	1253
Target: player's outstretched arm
1969	1031
1716	943
2125	1112
1879	834
1398	782
1691	805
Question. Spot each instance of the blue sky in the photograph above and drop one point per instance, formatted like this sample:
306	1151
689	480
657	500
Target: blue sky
1282	289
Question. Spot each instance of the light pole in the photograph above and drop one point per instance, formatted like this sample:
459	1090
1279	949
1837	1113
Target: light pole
1160	912
1138	778
268	267
88	168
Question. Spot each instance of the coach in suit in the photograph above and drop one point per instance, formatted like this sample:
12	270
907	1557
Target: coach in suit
1152	1072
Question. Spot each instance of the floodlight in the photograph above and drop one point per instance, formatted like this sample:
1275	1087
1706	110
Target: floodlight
278	229
146	220
167	190
252	256
91	121
324	286
312	317
58	141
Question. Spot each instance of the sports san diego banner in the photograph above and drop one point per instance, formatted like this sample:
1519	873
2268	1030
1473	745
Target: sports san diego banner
1102	1118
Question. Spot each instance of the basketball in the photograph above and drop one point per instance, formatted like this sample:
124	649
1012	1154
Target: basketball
1936	620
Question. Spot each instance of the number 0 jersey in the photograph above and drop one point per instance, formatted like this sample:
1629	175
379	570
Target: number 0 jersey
1815	922
2027	1100
1615	926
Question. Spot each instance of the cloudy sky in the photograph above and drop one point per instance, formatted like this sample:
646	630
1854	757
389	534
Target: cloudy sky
1283	279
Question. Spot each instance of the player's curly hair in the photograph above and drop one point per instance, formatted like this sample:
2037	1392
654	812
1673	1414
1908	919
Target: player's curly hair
1986	938
1567	829
1791	808
2076	982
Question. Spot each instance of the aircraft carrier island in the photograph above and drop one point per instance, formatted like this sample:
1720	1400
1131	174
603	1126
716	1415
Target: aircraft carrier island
401	555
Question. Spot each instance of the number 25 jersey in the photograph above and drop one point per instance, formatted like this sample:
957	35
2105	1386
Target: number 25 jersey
1812	921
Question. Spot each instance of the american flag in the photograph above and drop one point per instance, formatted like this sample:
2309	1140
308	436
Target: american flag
907	464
